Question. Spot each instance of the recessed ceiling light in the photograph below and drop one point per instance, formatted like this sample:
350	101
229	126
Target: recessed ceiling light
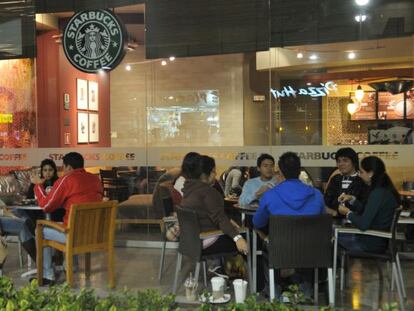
313	57
172	58
128	68
360	18
351	55
299	55
361	2
163	63
309	84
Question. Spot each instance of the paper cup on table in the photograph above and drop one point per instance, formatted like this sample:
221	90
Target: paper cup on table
240	288
217	285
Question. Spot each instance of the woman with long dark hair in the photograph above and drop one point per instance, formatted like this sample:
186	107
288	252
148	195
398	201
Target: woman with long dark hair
48	172
378	211
209	204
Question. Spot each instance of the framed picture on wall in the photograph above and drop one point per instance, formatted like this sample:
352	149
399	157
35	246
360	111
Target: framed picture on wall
93	95
93	128
83	130
82	94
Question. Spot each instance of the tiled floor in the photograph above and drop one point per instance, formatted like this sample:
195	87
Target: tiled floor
137	268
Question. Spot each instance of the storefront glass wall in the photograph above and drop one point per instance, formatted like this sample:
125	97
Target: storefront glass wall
297	92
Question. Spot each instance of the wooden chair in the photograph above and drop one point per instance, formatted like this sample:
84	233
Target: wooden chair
91	229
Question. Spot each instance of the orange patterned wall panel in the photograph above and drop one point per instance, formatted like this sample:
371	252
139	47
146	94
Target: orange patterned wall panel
17	104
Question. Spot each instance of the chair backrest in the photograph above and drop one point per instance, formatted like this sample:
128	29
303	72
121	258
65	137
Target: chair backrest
91	227
392	245
190	242
300	241
107	174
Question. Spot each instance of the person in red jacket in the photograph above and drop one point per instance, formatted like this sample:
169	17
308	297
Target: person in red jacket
76	186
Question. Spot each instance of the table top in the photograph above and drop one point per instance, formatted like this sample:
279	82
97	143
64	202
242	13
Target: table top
231	199
247	208
405	193
26	207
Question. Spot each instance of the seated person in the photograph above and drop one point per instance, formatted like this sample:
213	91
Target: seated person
290	197
347	182
76	186
254	188
186	166
48	172
209	204
24	228
378	211
235	178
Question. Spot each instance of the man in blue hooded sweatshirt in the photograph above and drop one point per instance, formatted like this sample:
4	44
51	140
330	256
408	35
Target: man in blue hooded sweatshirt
290	197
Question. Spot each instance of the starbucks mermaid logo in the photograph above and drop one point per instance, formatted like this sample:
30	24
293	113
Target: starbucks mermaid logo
93	43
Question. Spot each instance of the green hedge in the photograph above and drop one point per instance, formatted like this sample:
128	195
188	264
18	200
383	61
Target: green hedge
62	298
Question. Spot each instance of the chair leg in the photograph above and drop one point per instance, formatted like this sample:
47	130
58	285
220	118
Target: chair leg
69	268
397	257
19	244
249	264
315	287
399	290
341	286
39	261
331	287
162	259
205	273
87	265
111	267
177	271
197	272
271	284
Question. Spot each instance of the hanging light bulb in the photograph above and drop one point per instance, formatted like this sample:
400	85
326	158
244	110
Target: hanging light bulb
359	93
352	108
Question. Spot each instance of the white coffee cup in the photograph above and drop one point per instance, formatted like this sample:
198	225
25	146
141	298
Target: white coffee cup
217	285
240	288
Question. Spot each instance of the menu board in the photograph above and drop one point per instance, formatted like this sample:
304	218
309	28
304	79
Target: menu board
390	107
410	104
366	109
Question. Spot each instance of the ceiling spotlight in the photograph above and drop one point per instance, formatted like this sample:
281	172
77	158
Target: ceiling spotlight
172	58
163	63
128	68
309	84
360	18
351	55
299	55
313	57
361	2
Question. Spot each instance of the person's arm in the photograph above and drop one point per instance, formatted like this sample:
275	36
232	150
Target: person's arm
331	195
248	194
55	198
215	211
363	222
261	217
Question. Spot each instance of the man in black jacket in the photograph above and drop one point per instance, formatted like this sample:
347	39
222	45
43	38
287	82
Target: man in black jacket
348	181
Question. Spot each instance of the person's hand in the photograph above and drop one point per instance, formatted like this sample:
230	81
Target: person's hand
263	189
35	178
343	210
235	224
345	198
331	211
242	246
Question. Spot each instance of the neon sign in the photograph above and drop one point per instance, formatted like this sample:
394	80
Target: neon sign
312	91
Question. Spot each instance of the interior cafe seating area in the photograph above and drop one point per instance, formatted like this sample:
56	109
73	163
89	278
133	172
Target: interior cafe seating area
207	154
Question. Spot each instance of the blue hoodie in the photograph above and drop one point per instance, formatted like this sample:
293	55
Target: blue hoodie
291	197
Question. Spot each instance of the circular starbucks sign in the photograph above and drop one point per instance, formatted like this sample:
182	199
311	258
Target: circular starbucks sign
94	40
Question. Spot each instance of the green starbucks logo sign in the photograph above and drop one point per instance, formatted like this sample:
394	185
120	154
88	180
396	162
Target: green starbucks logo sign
94	40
